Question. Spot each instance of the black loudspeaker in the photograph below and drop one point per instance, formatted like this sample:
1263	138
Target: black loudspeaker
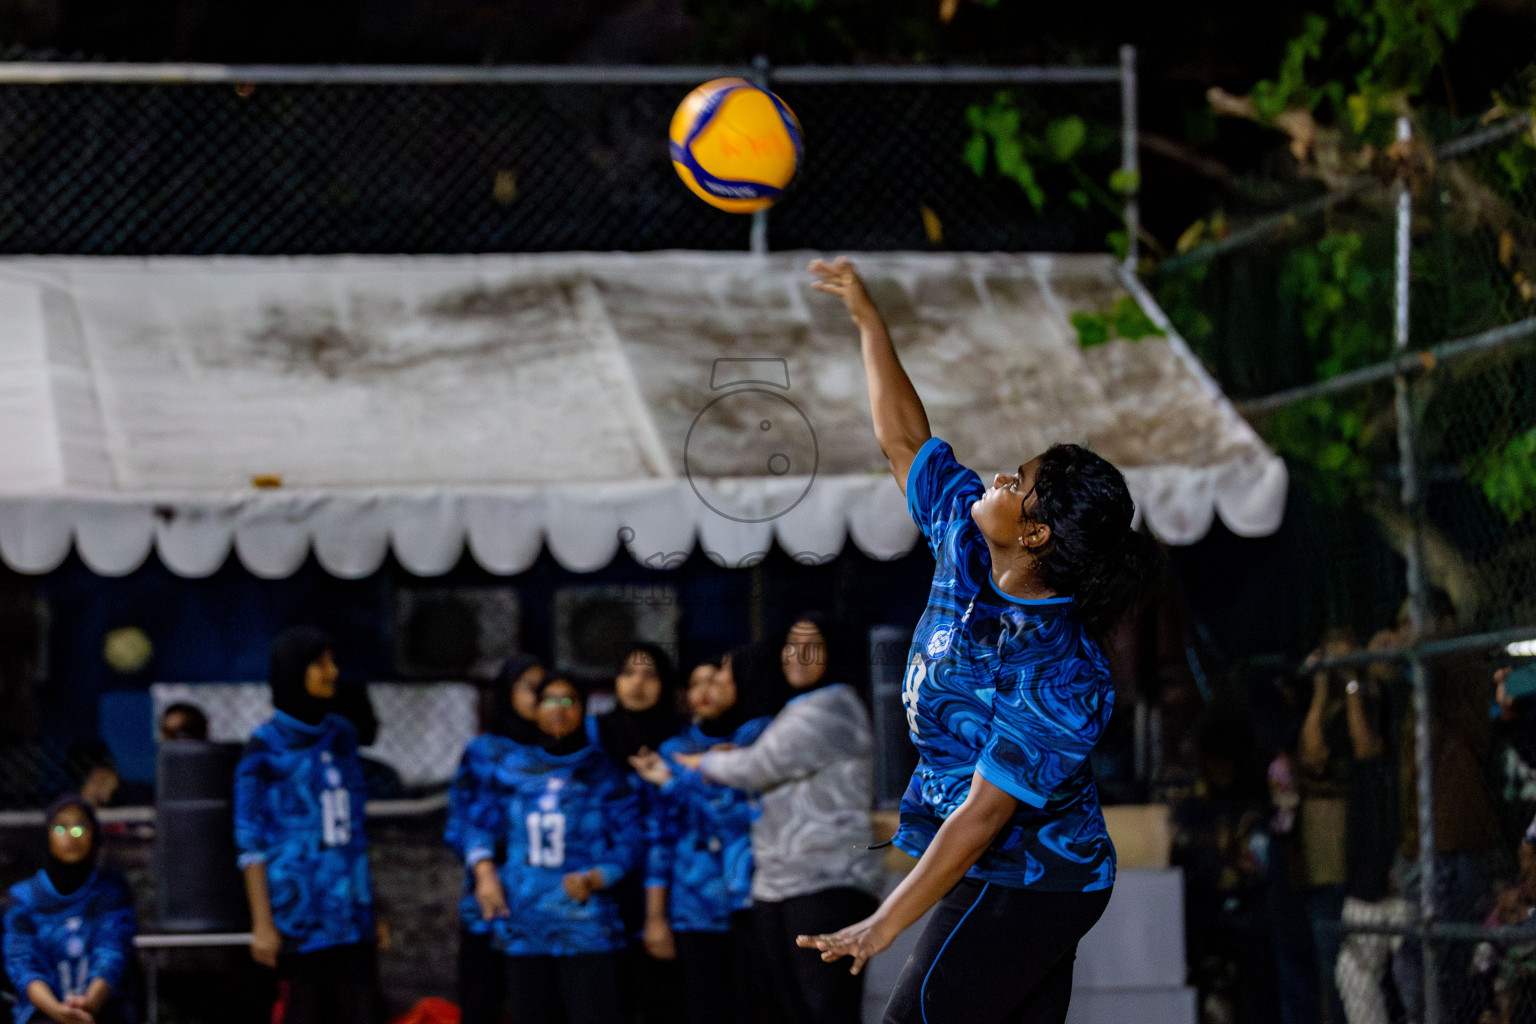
198	887
895	757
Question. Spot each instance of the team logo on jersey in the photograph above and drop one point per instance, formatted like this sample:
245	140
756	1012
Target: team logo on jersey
938	641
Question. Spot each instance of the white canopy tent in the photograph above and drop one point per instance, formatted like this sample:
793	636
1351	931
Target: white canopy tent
419	404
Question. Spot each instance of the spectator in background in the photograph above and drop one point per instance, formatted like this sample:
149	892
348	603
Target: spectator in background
814	766
1231	961
1466	827
1514	734
183	721
510	726
69	930
299	826
1323	816
1364	732
92	772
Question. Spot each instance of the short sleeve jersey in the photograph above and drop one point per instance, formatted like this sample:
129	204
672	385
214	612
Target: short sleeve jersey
1013	689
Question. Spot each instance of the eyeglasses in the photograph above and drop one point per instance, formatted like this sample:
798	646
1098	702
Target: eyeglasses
558	702
77	831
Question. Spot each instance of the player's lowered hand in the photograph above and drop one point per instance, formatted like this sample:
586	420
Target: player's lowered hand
67	1014
579	885
491	897
658	939
651	767
265	944
860	941
841	278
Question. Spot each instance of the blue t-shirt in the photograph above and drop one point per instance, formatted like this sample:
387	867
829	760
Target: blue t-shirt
554	814
700	836
1013	689
299	806
67	942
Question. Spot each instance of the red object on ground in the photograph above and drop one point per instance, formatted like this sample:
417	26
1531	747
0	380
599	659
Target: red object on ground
431	1010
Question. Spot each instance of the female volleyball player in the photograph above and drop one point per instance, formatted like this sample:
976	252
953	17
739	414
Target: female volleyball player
69	930
299	797
1006	693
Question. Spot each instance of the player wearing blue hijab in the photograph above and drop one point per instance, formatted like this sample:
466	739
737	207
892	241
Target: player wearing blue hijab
299	826
69	930
570	823
1006	691
699	833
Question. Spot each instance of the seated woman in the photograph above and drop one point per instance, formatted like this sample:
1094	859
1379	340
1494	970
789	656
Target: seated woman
69	932
569	821
699	868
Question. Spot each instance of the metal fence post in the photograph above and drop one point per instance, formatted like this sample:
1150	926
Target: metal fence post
1407	449
1129	161
762	76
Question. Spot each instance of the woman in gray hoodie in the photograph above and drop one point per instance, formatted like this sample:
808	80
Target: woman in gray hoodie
814	767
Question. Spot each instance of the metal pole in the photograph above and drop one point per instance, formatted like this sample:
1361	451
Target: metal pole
762	75
1129	160
1417	590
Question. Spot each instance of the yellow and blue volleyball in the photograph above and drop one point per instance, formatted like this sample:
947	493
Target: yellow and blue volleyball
735	145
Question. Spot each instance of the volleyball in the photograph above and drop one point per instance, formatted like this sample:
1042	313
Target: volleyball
735	145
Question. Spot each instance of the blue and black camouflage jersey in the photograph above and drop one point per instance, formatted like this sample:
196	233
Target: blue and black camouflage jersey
475	776
1009	688
299	807
700	836
555	814
67	942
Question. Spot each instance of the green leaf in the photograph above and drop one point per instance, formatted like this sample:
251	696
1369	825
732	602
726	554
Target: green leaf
1092	329
1078	198
1118	242
975	155
1124	181
1131	322
1065	136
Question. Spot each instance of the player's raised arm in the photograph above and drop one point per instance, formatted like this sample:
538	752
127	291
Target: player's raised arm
901	423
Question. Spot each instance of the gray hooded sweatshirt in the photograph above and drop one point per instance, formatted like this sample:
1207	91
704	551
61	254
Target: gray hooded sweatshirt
814	766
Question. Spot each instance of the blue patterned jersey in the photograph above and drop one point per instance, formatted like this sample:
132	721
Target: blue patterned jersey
67	942
467	796
700	836
554	814
299	796
1013	689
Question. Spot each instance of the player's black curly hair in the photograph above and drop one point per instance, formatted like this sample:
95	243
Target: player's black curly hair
1094	554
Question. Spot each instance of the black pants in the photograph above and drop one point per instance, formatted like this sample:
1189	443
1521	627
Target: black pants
808	989
482	979
339	985
565	989
995	955
721	975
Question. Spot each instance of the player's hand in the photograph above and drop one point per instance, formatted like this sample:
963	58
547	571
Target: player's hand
651	767
580	885
491	897
658	939
689	761
860	941
67	1013
841	278
265	944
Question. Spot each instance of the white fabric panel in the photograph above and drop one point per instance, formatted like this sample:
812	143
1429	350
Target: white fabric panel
428	533
1177	503
32	459
113	537
1251	494
35	533
505	531
878	519
351	534
195	540
272	537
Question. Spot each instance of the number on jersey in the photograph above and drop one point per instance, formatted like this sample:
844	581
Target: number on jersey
546	839
74	982
917	674
335	816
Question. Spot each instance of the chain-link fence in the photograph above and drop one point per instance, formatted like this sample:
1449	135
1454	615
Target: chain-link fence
104	159
1383	339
